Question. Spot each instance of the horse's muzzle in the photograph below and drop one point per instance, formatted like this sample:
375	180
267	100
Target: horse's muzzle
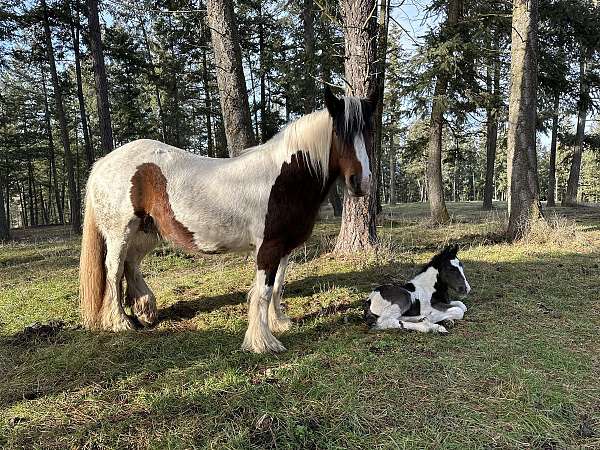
358	187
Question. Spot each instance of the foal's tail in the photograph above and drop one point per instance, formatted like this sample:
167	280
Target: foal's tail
92	272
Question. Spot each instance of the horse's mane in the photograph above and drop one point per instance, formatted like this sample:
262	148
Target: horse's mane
311	134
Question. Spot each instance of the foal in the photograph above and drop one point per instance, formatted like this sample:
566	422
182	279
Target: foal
265	200
423	302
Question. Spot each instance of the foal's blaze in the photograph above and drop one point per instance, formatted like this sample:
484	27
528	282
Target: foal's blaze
150	201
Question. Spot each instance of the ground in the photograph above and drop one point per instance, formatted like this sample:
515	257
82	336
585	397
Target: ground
521	371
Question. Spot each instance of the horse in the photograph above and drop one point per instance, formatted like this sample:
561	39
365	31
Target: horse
423	302
265	201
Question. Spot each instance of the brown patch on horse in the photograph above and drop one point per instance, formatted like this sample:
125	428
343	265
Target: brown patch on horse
292	210
342	159
149	198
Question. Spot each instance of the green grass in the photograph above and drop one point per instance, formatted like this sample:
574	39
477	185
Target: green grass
521	371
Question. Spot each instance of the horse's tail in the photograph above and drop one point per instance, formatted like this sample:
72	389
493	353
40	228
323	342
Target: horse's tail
92	272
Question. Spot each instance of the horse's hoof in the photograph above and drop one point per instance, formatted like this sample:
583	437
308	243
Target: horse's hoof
447	323
125	324
144	309
262	344
280	324
440	329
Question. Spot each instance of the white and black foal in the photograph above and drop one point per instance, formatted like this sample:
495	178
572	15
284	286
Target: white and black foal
423	302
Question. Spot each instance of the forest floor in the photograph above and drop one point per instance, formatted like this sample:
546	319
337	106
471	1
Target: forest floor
521	371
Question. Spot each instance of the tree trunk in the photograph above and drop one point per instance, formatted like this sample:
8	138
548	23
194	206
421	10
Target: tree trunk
7	192
523	199
4	223
207	106
435	184
550	194
310	90
95	38
358	231
380	60
64	132
492	113
570	198
161	117
51	153
262	75
392	151
31	193
75	32
230	76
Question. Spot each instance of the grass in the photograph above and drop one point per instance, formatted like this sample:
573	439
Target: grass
521	371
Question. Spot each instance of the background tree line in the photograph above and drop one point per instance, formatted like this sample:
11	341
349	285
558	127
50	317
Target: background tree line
78	78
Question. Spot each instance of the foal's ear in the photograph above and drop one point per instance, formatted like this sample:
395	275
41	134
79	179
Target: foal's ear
334	105
454	250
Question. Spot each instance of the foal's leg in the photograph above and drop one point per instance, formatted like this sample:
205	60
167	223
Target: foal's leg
460	305
452	313
139	296
259	338
278	321
113	317
424	326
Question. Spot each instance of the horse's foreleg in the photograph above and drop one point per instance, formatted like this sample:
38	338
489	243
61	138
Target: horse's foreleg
278	321
259	338
112	313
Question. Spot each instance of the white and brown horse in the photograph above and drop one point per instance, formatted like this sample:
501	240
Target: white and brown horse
267	200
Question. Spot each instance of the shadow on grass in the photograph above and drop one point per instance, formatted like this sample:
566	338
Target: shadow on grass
72	359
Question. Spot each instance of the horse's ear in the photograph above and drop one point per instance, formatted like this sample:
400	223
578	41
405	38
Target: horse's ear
334	105
454	250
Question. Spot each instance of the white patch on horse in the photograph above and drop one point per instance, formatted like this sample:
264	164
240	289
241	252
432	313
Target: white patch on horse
425	287
378	303
456	263
361	155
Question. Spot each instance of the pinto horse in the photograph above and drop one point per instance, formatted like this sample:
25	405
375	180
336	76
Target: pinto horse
265	200
423	302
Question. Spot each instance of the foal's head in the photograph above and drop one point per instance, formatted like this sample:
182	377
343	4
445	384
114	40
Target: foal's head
451	270
352	136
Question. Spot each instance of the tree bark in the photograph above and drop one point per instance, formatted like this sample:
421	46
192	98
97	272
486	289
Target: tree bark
62	120
392	151
379	63
492	113
358	230
75	33
435	184
4	225
230	76
570	198
161	116
52	153
31	194
550	194
310	89
523	199
95	38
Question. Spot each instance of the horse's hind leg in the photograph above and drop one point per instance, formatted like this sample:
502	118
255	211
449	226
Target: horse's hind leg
112	313
139	296
278	321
